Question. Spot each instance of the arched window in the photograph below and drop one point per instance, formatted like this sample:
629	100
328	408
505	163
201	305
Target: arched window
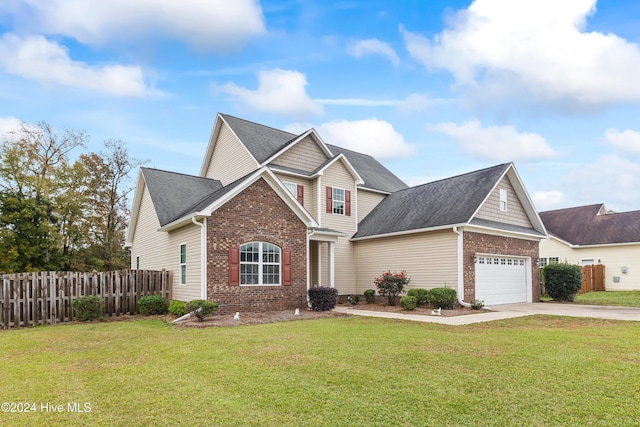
259	264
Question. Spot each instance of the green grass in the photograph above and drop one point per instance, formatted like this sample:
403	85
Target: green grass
618	298
356	371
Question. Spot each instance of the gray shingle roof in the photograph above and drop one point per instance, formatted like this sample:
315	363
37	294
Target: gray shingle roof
263	142
174	193
446	202
583	226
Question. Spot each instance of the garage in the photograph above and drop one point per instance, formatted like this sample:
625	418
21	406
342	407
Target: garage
501	279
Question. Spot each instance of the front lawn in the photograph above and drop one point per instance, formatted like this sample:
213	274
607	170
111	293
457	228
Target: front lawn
344	371
618	298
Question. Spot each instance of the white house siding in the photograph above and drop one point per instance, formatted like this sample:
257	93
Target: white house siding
515	213
367	200
230	160
614	258
305	155
429	258
159	250
337	175
310	201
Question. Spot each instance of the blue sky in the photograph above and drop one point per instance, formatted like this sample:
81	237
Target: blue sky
430	88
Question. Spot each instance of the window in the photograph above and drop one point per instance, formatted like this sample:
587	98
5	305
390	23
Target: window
554	260
293	188
503	200
183	264
259	264
338	201
543	262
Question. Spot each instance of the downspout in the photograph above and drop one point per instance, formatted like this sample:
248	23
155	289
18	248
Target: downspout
203	258
460	269
309	232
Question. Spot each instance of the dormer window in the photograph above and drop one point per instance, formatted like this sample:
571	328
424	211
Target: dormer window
503	200
338	201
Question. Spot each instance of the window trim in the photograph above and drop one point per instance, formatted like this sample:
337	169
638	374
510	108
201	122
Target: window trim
334	201
503	200
261	263
287	185
183	265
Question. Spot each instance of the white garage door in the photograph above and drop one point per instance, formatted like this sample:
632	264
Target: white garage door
501	280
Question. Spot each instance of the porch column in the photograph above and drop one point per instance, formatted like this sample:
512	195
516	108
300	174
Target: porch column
332	283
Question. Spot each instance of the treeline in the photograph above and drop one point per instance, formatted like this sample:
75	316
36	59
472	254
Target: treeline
62	214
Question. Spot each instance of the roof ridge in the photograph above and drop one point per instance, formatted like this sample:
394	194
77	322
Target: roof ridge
574	207
453	177
259	124
180	173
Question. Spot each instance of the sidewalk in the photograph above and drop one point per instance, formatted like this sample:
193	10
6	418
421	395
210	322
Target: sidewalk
509	311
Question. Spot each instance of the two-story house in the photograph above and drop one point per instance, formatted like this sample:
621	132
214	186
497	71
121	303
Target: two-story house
272	214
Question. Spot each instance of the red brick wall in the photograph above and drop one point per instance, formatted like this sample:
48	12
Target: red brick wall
256	214
497	245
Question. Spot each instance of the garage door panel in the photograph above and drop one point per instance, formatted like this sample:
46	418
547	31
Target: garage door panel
501	280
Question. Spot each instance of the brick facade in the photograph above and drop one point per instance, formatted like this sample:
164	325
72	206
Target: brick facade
496	245
256	214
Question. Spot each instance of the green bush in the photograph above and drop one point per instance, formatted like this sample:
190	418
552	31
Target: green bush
422	296
370	296
477	304
177	308
353	299
391	285
88	307
562	281
150	305
201	308
408	303
442	298
323	298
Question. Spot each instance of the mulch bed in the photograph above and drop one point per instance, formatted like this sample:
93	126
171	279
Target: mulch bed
426	311
247	318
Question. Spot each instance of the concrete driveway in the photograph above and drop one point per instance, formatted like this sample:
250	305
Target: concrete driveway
508	311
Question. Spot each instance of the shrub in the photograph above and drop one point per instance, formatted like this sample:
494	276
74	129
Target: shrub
370	296
477	304
177	308
391	285
150	305
442	298
422	296
201	308
562	281
408	302
353	299
88	307
323	298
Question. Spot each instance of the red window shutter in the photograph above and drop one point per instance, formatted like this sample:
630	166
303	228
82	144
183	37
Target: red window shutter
300	195
234	266
329	200
347	203
286	267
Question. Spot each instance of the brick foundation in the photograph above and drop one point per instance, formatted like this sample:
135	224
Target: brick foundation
496	245
256	214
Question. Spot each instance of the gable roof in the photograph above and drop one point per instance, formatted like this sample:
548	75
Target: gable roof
264	142
441	204
592	225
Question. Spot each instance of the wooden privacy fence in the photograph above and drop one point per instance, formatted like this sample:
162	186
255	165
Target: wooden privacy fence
592	278
29	299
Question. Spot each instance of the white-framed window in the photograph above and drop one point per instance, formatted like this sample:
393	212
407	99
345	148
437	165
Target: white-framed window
183	264
260	264
554	260
338	201
292	187
503	200
543	262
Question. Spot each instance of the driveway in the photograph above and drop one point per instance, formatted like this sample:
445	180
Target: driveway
508	311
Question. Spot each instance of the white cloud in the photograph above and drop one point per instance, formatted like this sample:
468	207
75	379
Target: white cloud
374	47
218	25
36	58
418	102
535	47
375	137
611	179
548	200
279	92
8	124
497	143
627	141
361	102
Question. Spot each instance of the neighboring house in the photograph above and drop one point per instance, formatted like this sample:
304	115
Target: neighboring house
592	235
273	213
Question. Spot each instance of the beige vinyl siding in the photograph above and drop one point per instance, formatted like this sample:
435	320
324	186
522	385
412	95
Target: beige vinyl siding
430	259
159	250
230	160
367	200
310	201
612	257
337	175
515	213
305	155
